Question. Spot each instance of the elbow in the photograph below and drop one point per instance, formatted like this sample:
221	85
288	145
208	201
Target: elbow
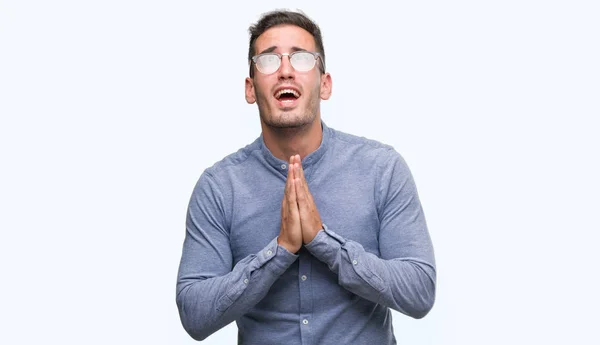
421	309
194	328
191	323
196	334
416	305
423	293
423	303
416	300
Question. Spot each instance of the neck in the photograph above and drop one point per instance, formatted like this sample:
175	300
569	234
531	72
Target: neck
286	142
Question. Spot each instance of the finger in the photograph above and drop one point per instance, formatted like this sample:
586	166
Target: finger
291	170
286	192
292	195
297	174
300	190
293	209
300	175
288	182
301	170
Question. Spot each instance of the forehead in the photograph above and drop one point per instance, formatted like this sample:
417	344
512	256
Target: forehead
284	37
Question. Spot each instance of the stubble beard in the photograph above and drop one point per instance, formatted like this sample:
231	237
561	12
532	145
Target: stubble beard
281	119
287	119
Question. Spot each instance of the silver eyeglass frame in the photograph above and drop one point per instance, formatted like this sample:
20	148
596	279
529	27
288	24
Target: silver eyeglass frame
316	55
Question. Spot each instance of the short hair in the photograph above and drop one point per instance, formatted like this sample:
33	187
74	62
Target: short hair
285	17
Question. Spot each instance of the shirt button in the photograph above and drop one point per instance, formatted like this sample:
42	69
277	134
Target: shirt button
303	277
269	252
245	281
283	166
354	262
305	321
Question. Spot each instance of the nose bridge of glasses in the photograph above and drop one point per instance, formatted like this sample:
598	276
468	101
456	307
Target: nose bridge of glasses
288	64
289	58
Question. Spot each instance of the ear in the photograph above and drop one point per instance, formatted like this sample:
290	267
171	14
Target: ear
326	85
250	95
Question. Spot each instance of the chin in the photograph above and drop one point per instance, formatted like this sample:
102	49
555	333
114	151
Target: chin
288	120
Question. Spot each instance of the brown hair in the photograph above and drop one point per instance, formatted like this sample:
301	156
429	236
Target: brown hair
285	17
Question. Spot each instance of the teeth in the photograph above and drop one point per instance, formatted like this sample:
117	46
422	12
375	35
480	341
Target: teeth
282	91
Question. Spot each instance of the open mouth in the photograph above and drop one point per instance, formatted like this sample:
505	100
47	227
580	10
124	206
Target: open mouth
287	97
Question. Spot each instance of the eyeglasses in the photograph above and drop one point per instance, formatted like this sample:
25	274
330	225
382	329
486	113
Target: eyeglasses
302	61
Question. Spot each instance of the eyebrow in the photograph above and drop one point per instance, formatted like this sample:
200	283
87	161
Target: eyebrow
272	48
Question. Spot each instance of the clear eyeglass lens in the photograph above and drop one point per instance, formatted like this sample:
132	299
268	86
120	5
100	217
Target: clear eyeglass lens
268	63
302	61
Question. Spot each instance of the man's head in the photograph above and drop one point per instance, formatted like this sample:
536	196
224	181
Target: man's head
287	88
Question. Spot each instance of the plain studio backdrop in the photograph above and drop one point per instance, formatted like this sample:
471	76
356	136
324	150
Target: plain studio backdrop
111	110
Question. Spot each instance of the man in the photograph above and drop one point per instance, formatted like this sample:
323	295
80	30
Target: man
308	235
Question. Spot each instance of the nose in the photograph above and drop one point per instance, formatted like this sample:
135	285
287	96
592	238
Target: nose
286	71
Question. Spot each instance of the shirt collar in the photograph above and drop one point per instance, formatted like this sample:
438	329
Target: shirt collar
307	161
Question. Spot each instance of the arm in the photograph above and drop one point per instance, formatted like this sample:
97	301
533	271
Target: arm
403	277
210	292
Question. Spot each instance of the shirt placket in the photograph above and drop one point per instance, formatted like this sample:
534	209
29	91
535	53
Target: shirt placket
306	298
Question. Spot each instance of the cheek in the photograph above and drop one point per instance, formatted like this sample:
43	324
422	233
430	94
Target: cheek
262	98
260	91
315	91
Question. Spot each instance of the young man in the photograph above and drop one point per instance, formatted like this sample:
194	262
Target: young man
308	235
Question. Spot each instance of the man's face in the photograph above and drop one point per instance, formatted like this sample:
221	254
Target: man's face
311	86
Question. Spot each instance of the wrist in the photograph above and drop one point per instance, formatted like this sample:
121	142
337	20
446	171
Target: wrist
312	234
290	248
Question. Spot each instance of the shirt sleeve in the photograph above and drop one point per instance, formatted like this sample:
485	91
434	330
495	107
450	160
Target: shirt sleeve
211	293
403	276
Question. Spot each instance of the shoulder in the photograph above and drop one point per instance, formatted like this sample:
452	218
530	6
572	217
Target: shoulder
364	148
234	161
